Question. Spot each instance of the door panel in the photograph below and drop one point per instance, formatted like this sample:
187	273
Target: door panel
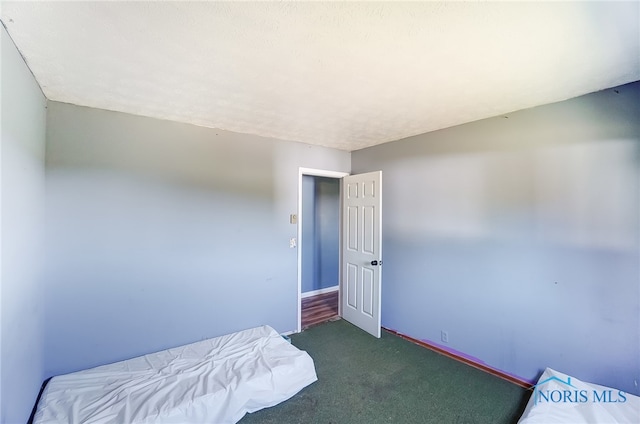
368	230
367	292
352	228
362	255
352	282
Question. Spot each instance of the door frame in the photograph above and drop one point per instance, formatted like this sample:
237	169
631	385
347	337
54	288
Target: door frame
316	173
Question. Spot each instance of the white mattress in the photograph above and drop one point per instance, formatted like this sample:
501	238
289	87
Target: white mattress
212	381
559	398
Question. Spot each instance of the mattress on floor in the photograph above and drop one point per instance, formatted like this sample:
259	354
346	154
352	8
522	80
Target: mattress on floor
213	381
559	398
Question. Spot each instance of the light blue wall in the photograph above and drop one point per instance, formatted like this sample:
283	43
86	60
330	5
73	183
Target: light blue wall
23	139
161	233
309	274
321	229
328	231
518	235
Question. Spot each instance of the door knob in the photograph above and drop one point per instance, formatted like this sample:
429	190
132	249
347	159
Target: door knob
374	263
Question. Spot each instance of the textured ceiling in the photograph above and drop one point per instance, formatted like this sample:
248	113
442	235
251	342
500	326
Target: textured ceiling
343	75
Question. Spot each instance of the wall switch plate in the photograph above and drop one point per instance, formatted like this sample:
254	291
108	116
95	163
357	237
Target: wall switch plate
293	242
293	218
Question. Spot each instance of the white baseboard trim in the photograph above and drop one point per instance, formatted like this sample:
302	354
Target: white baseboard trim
320	291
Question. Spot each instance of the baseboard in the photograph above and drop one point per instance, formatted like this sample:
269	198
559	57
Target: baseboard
320	291
481	366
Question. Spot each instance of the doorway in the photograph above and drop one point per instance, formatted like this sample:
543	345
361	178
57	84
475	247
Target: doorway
319	223
359	247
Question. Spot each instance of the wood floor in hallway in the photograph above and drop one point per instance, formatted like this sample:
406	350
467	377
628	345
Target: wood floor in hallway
319	308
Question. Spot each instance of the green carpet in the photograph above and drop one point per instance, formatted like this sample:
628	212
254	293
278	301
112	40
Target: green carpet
362	379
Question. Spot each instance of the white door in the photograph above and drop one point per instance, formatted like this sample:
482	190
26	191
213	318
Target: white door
362	250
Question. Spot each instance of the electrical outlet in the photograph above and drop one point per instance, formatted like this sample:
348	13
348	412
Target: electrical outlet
293	242
444	336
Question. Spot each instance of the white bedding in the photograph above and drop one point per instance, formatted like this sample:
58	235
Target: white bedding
213	381
559	398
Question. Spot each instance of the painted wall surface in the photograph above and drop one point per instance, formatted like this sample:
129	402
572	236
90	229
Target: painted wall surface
518	235
328	230
321	229
160	233
309	276
23	140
